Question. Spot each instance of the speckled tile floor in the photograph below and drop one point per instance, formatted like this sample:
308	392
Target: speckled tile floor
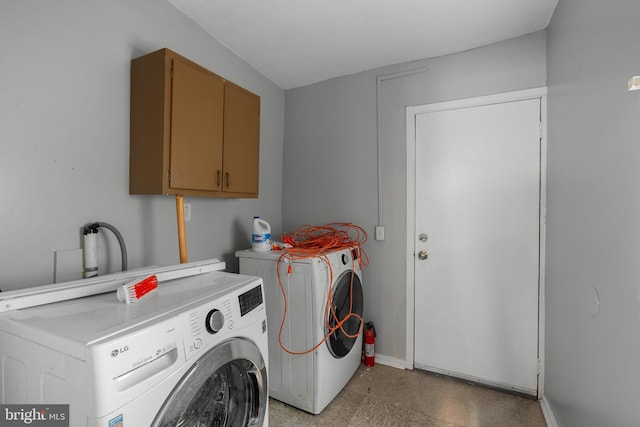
385	396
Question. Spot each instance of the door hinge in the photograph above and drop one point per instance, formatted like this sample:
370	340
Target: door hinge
541	130
538	367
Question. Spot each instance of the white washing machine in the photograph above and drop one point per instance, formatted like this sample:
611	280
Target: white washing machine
192	353
310	381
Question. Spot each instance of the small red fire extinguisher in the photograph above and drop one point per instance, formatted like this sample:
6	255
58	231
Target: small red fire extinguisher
369	344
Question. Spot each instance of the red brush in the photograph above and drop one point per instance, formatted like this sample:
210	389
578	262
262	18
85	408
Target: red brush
136	289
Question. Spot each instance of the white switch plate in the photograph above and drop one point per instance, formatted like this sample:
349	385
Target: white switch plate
67	265
379	232
187	211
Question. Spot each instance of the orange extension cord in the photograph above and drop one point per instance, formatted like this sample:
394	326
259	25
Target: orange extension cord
314	242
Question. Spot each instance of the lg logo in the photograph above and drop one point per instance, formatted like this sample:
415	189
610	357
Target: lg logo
118	351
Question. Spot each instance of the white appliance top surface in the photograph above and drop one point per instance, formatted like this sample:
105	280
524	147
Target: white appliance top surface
94	318
276	254
250	253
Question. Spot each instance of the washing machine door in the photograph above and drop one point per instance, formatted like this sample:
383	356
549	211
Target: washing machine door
347	302
227	386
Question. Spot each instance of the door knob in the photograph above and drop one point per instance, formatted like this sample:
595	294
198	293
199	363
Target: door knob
422	255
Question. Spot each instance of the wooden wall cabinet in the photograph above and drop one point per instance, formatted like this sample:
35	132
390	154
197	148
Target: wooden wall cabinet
193	133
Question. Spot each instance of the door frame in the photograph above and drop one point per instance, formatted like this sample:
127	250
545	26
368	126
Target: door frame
411	112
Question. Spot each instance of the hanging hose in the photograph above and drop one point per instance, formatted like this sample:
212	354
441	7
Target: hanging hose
90	233
90	250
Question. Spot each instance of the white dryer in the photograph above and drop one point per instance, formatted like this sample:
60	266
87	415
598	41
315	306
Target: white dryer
310	381
193	353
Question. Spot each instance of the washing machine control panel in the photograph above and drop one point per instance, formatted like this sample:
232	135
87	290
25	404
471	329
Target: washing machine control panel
212	322
207	323
215	321
250	299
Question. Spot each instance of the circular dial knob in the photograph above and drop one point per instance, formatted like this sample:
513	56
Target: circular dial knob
215	321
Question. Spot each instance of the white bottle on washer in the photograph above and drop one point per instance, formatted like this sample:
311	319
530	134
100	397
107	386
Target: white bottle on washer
261	235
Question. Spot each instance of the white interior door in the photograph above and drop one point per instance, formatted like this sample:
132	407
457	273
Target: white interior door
477	196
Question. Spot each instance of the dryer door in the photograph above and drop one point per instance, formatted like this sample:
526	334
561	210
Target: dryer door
227	386
346	303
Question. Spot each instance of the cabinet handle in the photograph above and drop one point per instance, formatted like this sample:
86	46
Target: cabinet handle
227	176
218	178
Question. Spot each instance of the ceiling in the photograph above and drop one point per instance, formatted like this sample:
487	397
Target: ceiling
299	42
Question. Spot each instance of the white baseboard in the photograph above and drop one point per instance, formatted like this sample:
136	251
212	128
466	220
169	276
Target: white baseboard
391	361
549	417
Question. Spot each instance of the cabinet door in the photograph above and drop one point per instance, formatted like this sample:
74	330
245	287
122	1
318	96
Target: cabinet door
196	128
241	140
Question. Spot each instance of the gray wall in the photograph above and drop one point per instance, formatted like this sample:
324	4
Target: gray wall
64	137
593	228
330	156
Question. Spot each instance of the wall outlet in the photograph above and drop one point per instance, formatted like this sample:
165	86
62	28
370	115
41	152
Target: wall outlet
379	232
